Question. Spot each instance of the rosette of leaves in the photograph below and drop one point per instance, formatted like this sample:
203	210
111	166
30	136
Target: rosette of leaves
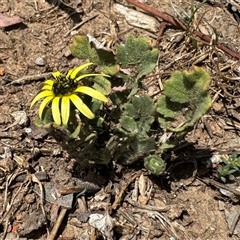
155	164
100	139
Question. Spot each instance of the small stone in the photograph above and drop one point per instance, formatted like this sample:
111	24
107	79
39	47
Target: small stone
56	151
19	217
221	206
28	130
21	118
40	61
30	198
66	52
142	199
218	107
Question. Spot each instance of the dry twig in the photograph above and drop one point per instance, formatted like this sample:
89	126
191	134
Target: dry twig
123	189
147	207
220	185
178	24
57	224
35	179
35	77
80	24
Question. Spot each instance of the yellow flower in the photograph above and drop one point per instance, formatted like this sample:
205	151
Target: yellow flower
62	90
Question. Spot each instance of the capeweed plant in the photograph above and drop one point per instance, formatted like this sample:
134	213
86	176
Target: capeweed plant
128	127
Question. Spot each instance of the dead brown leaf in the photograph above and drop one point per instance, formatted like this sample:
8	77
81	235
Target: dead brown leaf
6	21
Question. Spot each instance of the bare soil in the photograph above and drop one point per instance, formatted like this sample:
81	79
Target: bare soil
188	202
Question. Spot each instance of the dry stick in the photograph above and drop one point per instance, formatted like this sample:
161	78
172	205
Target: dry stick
118	198
80	24
9	180
178	24
221	85
5	229
35	179
30	78
220	185
160	33
151	208
9	211
57	224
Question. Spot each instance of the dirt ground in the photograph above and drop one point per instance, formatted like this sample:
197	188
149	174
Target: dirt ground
188	202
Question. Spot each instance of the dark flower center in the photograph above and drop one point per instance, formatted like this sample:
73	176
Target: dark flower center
63	85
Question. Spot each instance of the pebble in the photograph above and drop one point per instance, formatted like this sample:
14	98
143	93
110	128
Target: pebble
21	118
40	61
30	198
28	130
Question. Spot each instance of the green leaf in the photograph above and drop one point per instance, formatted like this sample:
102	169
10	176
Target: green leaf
82	49
223	179
185	101
76	132
144	146
186	87
141	111
110	69
140	107
138	56
46	118
136	149
129	125
102	85
232	171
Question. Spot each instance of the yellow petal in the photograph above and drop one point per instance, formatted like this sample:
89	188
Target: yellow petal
56	111
56	74
91	92
49	82
41	95
83	108
65	109
69	73
43	105
47	87
90	75
72	73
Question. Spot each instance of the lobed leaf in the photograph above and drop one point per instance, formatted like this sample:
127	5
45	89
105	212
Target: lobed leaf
185	101
138	56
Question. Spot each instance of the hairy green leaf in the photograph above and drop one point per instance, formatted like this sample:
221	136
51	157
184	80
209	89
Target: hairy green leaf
140	107
138	57
82	49
185	99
